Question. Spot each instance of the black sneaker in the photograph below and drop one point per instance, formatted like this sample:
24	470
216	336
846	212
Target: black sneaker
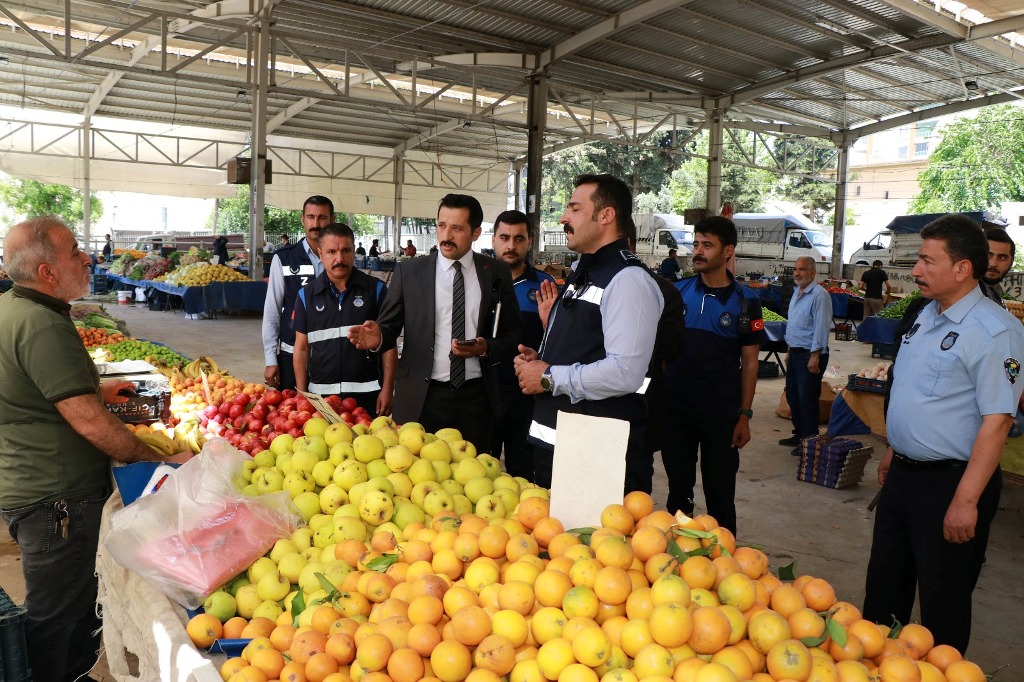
792	440
795	452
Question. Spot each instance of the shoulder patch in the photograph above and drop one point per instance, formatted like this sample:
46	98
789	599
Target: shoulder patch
1012	368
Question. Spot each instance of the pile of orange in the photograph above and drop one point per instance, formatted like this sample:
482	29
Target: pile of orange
522	600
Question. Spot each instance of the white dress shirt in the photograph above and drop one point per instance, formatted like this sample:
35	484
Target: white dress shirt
444	281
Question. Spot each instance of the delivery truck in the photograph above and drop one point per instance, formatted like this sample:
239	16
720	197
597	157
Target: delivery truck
780	237
657	233
897	244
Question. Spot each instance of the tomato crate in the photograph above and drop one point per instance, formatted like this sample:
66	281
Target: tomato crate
14	665
858	383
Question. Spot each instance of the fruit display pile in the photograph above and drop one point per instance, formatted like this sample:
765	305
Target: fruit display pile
423	560
771	316
896	310
195	254
93	337
1015	307
839	290
201	274
133	349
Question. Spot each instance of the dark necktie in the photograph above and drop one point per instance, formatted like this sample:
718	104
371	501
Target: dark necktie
458	366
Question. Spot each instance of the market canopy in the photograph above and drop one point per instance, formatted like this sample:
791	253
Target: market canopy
370	94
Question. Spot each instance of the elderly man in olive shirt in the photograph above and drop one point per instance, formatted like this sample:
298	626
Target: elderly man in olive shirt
57	440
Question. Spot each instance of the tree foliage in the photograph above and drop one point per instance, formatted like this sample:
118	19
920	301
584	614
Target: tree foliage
30	198
977	165
232	217
817	198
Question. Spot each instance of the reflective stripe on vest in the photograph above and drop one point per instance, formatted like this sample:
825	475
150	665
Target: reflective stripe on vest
328	334
643	387
542	433
287	348
590	294
345	387
305	269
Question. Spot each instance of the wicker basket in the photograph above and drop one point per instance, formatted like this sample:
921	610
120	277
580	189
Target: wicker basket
832	463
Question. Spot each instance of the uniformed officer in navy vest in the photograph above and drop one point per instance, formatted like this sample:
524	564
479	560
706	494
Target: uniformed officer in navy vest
601	333
294	266
512	242
955	386
325	360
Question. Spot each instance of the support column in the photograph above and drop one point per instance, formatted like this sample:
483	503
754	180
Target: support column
537	108
399	191
517	179
714	202
86	185
842	176
258	148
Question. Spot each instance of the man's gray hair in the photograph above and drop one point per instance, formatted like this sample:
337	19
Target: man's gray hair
34	249
811	262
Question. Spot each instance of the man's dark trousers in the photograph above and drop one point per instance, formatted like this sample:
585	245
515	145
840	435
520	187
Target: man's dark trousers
465	408
803	392
510	430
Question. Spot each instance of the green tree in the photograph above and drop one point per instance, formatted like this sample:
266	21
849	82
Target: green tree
817	198
30	198
977	165
232	216
745	188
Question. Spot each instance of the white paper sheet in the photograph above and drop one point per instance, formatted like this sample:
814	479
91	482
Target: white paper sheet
589	470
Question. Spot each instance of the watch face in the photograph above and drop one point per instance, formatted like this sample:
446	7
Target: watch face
545	382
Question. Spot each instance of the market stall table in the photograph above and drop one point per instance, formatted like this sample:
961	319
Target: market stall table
210	298
849	308
775	343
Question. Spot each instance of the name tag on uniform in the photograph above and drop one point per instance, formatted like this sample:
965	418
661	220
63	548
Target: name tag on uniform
358	302
948	341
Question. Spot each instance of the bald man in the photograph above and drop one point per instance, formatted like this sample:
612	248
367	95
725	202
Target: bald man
57	440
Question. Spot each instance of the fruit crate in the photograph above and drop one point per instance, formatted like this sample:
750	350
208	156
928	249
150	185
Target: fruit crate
858	383
98	287
845	332
832	463
767	369
885	351
13	651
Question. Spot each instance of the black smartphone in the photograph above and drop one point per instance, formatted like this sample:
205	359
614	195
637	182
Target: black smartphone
466	342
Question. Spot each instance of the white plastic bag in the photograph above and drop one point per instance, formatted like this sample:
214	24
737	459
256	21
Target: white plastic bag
199	530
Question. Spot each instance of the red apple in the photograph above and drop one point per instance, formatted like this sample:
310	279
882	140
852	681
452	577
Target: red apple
273	397
241	399
290	392
256	425
302	417
348	404
295	433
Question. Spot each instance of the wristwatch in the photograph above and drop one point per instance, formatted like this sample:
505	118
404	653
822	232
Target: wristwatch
748	413
545	381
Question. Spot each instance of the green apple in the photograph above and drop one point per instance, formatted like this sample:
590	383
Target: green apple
291	566
302	538
507	482
410	425
317	426
387	436
399	458
382	422
270	610
349	473
246	600
308	503
523	483
332	497
250	490
429	438
402	484
463	505
304	460
377	468
382	484
311	553
335	572
338	433
314	444
328	552
282	548
509	498
308	582
270	482
323	473
443	470
412	438
421	490
406	513
356	492
490	507
341	451
376	507
468	469
437	451
360	429
273	586
535	491
349	528
449	435
281	444
260	567
347	509
422	470
438	501
316	521
220	604
462	450
298	482
478	487
265	458
248	467
492	464
324	536
284	464
452	487
368	448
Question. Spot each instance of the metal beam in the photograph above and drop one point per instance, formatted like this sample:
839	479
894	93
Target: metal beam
296	108
933	112
417	140
951	26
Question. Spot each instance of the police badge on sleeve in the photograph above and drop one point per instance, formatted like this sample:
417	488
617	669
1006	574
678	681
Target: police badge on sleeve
1012	368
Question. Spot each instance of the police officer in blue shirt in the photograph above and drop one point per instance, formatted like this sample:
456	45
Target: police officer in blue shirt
325	361
810	317
956	383
512	243
710	386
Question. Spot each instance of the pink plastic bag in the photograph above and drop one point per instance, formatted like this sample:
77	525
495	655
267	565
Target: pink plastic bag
199	530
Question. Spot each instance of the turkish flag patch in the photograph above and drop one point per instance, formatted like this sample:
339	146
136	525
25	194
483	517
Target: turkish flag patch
757	325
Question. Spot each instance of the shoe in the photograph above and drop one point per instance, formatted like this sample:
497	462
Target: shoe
795	452
792	440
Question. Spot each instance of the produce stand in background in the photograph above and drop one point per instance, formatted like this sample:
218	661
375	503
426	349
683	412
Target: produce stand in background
210	298
877	330
775	343
848	307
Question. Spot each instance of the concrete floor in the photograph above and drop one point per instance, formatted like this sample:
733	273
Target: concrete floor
827	532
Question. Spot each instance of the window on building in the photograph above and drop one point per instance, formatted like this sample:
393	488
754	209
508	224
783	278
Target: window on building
857	192
920	149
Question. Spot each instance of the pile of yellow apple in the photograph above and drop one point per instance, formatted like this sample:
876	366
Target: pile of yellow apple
423	561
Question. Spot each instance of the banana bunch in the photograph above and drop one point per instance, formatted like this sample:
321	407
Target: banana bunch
202	364
187	436
162	367
159	442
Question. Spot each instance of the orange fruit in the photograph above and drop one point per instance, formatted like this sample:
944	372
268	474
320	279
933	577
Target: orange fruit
296	672
341	647
942	656
373	652
638	503
422	638
232	666
698	572
818	594
532	510
853	671
648	541
614	551
735	660
550	587
319	666
724	539
671	624
658	565
592	646
899	669
869	635
612	585
919	636
547	529
653	660
471	624
495	653
757	659
233	627
635	635
807	623
964	671
306	643
580	601
852	651
269	662
405	665
737	590
618	517
845	613
323	617
517	596
520	545
789	659
204	629
670	588
929	673
787	600
737	623
554	656
724	567
711	630
248	674
451	661
765	629
753	562
575	672
560	544
686	670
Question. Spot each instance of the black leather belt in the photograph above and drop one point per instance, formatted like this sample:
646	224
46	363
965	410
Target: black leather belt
928	465
468	383
799	350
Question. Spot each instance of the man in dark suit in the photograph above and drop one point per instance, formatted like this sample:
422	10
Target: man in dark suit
447	376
